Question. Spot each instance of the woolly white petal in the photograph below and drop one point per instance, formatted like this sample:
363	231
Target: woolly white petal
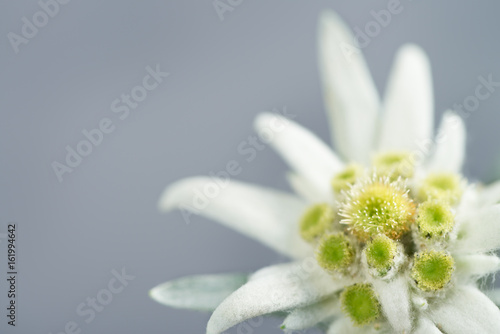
494	296
301	149
480	233
204	292
467	310
449	154
273	270
425	326
409	103
395	301
351	98
264	214
293	286
476	265
303	188
344	326
469	205
490	194
310	316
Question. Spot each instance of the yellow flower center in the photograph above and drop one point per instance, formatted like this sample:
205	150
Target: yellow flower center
346	178
360	303
378	206
394	164
316	221
443	186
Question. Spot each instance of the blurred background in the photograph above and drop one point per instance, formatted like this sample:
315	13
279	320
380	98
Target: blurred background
68	75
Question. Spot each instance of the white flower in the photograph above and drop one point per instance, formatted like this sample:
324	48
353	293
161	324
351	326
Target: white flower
395	245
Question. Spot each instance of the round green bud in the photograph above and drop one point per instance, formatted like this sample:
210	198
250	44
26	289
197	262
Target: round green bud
360	303
344	179
394	164
316	221
444	186
378	206
380	253
432	270
335	252
435	219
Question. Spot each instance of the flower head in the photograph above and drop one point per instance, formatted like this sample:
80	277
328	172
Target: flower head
384	235
444	186
360	303
432	270
377	206
316	221
346	178
394	164
435	219
335	252
381	253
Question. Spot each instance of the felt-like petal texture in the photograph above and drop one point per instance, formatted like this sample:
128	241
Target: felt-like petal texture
490	194
310	316
351	99
480	233
264	214
344	326
395	300
425	326
476	265
494	296
467	310
449	154
306	154
276	269
304	189
408	117
203	292
290	287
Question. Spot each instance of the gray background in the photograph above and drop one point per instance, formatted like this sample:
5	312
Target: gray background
261	56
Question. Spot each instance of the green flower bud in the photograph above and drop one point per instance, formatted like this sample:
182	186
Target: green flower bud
394	164
444	186
316	221
346	178
435	219
335	252
432	270
360	303
380	254
378	206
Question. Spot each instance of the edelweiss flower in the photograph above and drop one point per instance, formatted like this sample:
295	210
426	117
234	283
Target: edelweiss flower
386	235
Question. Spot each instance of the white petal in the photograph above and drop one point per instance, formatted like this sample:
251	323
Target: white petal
204	292
273	270
425	326
419	302
490	194
301	149
408	118
449	154
304	189
480	233
494	296
264	214
469	205
293	286
395	301
310	316
350	95
345	326
467	310
476	265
